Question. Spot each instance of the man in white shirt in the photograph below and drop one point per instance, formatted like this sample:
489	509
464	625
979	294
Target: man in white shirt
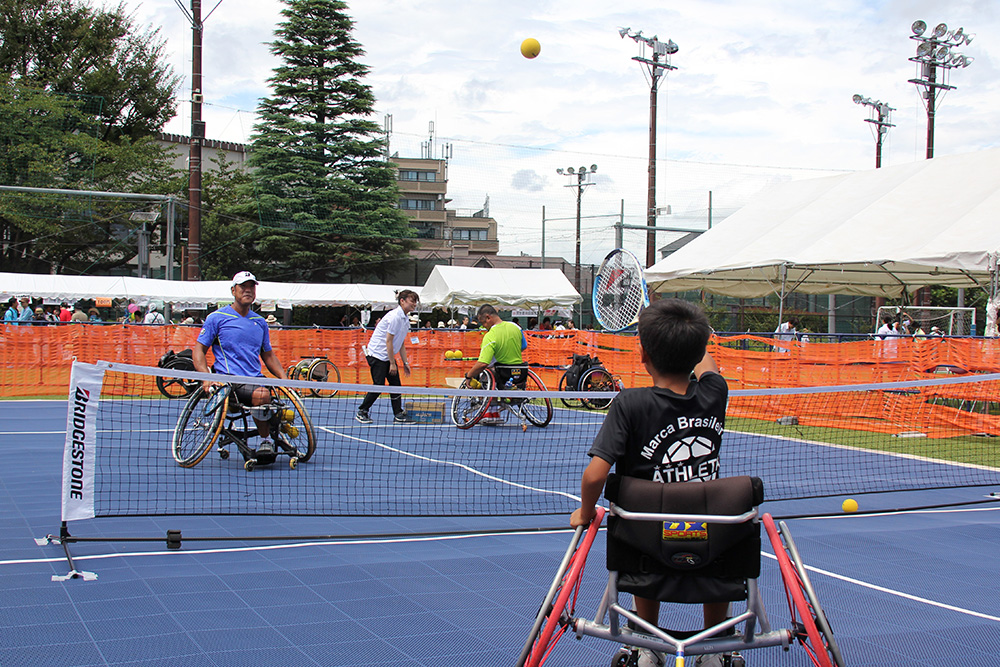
786	331
387	341
153	317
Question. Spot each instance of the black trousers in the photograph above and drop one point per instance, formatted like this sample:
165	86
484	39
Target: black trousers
380	373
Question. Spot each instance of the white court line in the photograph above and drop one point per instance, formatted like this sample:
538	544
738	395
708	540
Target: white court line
470	469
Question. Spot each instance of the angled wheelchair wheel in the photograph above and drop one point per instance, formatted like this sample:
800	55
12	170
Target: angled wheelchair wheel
811	626
556	613
199	425
598	378
538	411
467	410
322	370
568	402
177	387
294	425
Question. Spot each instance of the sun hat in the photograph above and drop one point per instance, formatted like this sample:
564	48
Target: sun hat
243	277
271	319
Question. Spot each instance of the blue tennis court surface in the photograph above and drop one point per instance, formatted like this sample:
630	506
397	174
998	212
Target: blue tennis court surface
915	588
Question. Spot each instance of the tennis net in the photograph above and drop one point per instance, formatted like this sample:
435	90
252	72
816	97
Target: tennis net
132	451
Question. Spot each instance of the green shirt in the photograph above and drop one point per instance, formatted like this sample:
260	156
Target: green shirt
503	343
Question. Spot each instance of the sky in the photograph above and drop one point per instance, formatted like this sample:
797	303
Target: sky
762	93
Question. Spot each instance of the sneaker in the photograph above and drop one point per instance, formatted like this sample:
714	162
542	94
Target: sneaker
402	418
650	658
362	416
265	448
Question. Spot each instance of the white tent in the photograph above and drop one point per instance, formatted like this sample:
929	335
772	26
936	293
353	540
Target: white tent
874	233
185	294
539	289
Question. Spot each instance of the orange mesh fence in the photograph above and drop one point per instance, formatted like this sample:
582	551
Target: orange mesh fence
35	362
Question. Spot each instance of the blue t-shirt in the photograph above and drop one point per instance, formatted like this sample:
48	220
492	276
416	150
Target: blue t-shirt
236	341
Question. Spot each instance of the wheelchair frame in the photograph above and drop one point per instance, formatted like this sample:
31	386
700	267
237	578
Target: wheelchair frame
467	411
557	615
217	420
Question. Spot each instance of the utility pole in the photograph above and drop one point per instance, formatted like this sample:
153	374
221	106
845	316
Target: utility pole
655	68
580	184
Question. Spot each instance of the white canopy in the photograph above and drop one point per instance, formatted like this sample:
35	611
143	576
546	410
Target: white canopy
873	233
511	288
185	294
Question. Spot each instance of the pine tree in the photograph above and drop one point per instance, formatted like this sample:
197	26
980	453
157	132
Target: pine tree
326	195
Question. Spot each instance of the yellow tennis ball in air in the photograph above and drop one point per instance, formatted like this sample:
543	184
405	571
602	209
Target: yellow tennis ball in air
530	48
850	505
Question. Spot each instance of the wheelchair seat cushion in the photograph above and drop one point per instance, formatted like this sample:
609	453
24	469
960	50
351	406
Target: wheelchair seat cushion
684	561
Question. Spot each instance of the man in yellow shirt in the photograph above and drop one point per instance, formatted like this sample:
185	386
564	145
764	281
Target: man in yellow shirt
502	344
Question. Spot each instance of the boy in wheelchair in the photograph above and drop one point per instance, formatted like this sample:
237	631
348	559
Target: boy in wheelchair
670	432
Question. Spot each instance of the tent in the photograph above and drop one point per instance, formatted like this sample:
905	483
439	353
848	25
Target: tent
872	233
539	289
191	294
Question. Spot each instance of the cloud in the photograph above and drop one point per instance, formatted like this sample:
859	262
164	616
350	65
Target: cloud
527	180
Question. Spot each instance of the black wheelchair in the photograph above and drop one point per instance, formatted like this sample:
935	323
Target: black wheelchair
218	419
315	369
176	387
466	411
705	549
587	373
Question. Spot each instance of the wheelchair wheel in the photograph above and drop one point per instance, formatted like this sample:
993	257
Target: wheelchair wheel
322	370
199	425
812	628
177	387
467	410
568	402
296	429
538	411
598	378
553	617
300	370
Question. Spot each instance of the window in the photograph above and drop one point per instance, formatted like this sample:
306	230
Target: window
418	204
469	234
413	175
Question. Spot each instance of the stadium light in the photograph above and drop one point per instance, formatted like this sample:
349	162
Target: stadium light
879	117
655	67
581	183
936	52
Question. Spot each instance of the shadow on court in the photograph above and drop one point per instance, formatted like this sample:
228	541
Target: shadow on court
914	588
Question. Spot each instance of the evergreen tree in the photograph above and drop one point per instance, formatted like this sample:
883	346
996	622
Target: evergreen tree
327	197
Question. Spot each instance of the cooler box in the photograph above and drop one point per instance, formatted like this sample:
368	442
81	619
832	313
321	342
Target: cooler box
425	412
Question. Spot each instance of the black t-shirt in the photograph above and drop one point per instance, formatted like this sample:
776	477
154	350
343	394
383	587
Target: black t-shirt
653	433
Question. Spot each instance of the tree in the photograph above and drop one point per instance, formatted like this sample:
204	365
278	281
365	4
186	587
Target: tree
80	96
327	197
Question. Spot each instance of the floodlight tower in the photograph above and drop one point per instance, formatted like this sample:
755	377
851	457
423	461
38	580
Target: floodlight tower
879	117
933	53
581	183
655	67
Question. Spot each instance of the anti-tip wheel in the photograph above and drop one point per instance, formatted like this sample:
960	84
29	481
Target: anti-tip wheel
292	462
249	465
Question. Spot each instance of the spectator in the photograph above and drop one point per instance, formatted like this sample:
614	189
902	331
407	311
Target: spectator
886	330
27	312
569	324
10	315
272	321
786	331
94	315
532	323
465	322
51	315
78	314
152	315
39	319
356	323
65	314
559	326
133	316
546	324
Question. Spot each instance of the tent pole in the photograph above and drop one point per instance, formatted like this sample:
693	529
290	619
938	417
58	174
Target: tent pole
781	295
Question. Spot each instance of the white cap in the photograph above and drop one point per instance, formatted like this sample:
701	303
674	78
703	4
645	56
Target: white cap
243	277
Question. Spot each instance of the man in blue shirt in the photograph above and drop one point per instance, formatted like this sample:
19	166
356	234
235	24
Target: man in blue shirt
27	312
240	340
10	315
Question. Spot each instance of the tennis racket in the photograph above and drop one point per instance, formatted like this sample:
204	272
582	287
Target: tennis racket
620	291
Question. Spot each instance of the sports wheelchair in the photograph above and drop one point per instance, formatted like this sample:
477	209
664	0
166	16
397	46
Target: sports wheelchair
315	369
587	373
173	387
466	411
218	418
705	549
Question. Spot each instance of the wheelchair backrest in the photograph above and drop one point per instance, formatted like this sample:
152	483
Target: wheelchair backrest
679	547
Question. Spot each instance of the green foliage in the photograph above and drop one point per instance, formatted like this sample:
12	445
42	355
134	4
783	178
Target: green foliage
326	195
81	93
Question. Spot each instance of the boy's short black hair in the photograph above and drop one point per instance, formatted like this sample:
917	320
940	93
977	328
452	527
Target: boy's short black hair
674	334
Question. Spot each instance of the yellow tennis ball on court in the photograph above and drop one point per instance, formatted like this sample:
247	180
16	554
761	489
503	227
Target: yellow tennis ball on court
530	48
850	505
